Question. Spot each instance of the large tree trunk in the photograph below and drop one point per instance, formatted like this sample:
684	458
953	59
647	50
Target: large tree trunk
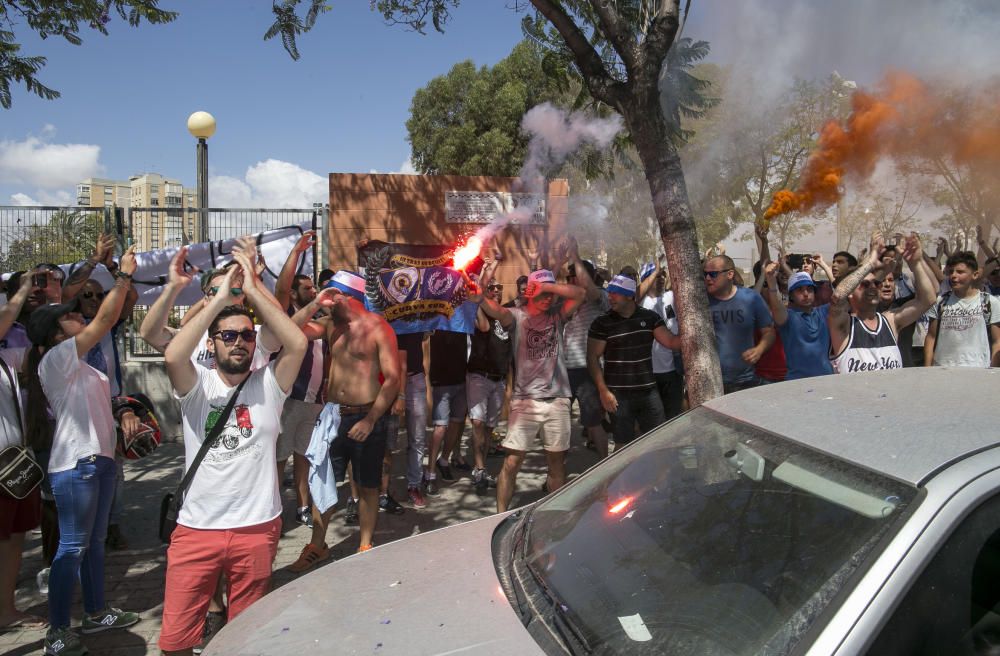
680	243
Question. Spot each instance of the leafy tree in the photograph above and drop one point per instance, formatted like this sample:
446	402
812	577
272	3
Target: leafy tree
67	236
467	122
67	19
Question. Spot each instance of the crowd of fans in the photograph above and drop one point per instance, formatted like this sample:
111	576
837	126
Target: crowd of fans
308	372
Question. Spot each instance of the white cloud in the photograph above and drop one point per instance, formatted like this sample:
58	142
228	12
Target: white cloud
22	199
272	184
37	162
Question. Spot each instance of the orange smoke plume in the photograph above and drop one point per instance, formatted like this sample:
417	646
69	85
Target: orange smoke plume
904	118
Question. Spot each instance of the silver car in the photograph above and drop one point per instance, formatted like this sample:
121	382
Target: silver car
855	514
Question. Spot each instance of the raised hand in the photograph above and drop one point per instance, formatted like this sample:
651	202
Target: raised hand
128	264
247	269
305	242
913	250
177	273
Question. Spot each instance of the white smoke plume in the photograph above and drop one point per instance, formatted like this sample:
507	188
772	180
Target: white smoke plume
555	134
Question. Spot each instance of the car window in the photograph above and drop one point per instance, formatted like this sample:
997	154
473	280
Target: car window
954	606
709	536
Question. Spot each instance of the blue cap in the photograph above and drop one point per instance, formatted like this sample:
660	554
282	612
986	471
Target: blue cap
799	279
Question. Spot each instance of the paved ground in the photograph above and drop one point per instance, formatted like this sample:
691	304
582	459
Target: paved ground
135	576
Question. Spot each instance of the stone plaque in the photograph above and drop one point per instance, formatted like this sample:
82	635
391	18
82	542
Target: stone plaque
488	206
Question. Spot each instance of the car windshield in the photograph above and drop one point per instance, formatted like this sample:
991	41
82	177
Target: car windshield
709	536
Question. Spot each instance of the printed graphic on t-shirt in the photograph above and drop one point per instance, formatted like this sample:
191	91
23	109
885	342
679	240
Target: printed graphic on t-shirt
500	331
728	316
958	318
541	343
234	440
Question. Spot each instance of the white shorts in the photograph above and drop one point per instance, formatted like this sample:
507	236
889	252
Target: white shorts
485	398
298	419
548	419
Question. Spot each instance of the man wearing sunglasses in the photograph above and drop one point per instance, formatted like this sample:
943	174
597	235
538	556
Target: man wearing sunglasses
230	521
744	330
862	338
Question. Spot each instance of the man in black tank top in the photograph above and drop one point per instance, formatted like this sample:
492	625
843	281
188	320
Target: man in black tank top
486	380
862	338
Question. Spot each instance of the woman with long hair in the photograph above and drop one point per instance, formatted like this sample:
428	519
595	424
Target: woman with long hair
81	463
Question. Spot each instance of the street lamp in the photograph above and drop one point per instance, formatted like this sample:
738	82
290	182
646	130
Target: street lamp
202	126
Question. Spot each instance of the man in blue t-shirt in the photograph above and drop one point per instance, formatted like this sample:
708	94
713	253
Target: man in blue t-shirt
740	316
804	331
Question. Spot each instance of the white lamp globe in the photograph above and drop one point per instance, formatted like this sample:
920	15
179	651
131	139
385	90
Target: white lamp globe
201	125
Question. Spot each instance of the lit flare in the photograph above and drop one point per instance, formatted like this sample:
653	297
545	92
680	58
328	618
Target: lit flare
464	255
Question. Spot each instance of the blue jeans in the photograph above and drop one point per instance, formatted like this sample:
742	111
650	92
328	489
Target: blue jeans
642	406
83	498
416	428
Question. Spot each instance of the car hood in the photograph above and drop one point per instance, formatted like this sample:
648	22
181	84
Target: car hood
435	593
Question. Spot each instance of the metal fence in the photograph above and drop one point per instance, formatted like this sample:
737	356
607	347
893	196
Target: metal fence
30	235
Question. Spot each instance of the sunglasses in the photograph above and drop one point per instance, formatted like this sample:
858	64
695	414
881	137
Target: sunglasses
89	295
228	337
714	274
865	284
212	291
495	288
53	272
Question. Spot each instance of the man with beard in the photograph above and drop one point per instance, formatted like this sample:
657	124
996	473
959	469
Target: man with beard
351	429
862	338
230	520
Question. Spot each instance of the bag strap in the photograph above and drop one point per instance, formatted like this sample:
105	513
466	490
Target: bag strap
17	399
940	308
207	444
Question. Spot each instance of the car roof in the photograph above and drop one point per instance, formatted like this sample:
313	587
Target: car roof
906	423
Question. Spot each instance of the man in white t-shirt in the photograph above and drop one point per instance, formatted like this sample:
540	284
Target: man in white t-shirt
669	382
964	328
230	520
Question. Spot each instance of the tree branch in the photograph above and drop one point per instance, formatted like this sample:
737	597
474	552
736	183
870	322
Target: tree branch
661	35
617	34
602	87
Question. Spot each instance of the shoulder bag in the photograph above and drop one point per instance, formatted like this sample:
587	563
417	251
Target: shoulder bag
170	506
20	473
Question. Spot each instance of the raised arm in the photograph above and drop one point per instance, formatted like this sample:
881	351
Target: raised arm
923	279
838	320
283	286
583	280
177	356
104	246
981	240
293	342
110	309
154	330
773	296
572	294
818	260
10	310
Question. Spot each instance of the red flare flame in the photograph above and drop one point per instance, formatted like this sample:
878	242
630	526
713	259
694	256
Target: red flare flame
464	255
620	506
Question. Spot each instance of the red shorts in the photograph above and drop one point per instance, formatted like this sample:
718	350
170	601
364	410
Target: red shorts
195	560
20	515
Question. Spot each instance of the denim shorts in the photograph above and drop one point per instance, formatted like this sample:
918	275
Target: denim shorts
449	403
585	393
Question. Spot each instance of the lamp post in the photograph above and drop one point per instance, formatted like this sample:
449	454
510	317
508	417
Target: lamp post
202	126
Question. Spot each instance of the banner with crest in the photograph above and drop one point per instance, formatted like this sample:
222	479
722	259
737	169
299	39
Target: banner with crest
415	288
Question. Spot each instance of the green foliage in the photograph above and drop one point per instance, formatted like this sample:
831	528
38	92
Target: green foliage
66	237
288	24
66	19
414	13
467	122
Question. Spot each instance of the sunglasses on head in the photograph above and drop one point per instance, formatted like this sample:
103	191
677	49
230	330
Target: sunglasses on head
89	295
715	274
228	337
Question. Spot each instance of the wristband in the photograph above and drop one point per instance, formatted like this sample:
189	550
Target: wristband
401	397
112	267
121	275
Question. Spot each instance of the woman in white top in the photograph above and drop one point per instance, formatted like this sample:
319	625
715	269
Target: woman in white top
81	464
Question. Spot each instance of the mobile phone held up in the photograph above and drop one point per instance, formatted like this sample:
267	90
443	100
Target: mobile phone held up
40	280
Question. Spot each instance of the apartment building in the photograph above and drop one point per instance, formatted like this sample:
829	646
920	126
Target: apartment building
162	213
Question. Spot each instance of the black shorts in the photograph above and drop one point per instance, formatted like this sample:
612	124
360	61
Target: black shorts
365	457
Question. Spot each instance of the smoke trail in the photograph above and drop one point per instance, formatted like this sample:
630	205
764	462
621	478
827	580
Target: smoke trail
904	118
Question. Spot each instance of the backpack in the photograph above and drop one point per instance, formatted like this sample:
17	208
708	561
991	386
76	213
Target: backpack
984	299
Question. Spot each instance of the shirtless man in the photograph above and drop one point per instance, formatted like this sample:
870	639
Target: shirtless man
362	346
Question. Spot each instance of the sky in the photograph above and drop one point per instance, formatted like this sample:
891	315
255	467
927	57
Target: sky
283	125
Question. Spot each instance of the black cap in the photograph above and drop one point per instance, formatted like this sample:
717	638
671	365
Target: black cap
44	321
522	280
